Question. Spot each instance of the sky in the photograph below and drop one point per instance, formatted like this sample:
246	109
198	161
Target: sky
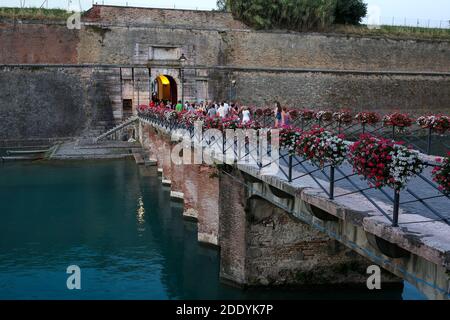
400	9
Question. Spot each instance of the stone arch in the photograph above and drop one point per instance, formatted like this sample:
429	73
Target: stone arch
173	75
282	250
165	88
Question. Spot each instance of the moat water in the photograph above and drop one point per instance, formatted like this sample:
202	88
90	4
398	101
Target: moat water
118	225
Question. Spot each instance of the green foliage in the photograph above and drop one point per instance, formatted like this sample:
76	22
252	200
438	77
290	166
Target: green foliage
350	11
394	32
296	14
34	13
223	5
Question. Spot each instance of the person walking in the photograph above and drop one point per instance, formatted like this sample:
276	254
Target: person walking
212	112
278	115
245	116
179	106
227	109
222	111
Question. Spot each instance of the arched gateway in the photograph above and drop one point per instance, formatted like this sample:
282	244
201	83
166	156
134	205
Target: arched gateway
165	88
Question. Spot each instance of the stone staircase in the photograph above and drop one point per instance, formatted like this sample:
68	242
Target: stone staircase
98	128
116	129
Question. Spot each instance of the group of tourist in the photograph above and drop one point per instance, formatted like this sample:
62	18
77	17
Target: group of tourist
224	110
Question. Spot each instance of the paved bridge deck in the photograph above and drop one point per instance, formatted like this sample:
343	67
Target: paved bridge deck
407	206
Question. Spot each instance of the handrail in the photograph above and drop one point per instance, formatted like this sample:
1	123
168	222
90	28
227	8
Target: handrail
338	175
124	124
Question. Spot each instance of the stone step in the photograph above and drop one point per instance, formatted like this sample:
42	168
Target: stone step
138	158
151	162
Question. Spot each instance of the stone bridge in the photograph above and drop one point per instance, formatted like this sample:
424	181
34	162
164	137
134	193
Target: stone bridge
274	232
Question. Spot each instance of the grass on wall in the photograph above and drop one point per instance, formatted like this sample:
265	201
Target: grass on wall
395	31
34	13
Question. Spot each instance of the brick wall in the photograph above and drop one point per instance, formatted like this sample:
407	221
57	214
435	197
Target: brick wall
232	231
167	17
37	43
198	183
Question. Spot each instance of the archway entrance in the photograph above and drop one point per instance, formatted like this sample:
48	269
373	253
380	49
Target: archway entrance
165	88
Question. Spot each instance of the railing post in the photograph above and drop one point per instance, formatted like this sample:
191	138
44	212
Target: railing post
290	168
235	148
393	132
363	128
224	141
430	132
332	182
396	207
258	150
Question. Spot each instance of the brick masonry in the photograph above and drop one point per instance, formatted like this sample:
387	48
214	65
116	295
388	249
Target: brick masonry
262	245
38	43
199	184
219	50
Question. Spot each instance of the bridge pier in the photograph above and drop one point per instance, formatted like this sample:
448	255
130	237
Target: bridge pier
263	245
196	185
201	200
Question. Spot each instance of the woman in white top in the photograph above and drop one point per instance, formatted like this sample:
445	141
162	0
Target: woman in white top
222	111
245	115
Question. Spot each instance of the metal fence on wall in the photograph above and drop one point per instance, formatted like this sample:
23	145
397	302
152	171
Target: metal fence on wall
413	22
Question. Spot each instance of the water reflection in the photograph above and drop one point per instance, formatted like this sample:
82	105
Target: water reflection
140	214
120	227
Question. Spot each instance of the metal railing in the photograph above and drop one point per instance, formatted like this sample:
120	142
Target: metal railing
411	22
425	140
116	132
422	196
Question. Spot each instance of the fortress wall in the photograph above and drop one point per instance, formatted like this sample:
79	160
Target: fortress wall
120	34
328	51
37	43
219	50
169	17
382	93
50	102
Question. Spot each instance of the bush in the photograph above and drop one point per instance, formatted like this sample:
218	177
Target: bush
350	11
295	14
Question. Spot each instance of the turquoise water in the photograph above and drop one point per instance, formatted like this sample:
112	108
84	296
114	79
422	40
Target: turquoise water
118	225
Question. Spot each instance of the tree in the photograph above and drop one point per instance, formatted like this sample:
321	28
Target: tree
295	14
223	5
350	11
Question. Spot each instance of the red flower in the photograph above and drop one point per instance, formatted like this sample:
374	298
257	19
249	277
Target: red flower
397	119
